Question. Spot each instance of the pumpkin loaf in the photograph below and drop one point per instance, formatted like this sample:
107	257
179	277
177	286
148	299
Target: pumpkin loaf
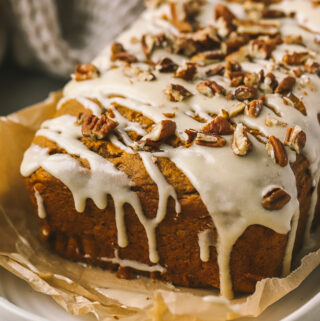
188	150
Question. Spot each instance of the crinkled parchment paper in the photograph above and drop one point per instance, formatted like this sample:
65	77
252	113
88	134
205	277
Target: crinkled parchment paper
80	289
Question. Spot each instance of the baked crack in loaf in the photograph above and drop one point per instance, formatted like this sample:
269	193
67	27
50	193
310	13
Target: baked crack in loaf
188	150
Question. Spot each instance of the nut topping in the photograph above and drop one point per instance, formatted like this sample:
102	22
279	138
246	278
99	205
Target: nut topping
166	65
86	72
271	121
138	73
219	125
149	42
219	70
270	83
297	58
275	199
272	14
311	66
237	109
177	93
285	85
210	88
159	133
208	57
224	18
210	140
95	127
119	53
255	28
262	48
241	144
254	108
245	92
187	71
277	151
295	139
192	134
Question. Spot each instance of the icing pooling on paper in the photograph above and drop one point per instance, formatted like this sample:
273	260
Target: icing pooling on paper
211	170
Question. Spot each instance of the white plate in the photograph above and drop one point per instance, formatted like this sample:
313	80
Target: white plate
19	302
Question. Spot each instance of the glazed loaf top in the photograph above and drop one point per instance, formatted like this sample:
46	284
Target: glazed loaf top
232	90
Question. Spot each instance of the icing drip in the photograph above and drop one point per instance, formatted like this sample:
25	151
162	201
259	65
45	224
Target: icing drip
41	210
230	186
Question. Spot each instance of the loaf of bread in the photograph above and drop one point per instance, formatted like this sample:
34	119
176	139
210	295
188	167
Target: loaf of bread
188	150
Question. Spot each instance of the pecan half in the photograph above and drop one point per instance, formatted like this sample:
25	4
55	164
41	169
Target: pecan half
210	88
166	65
241	144
210	140
277	151
296	58
218	70
295	139
98	128
177	93
86	72
245	92
219	125
275	199
186	71
159	133
254	108
286	85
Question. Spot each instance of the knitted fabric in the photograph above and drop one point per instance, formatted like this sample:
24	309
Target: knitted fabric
54	35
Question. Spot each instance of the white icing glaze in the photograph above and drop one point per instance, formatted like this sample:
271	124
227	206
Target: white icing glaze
230	186
41	210
205	241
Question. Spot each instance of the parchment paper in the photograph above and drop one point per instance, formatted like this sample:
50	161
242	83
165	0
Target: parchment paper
81	289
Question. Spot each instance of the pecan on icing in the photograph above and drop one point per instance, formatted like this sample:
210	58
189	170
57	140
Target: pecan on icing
312	67
277	151
119	53
159	133
86	72
150	42
271	121
186	71
267	13
254	108
245	92
138	73
255	28
210	88
269	83
233	44
286	85
293	39
295	139
296	58
275	199
262	47
192	134
210	140
241	144
219	125
237	109
208	57
218	70
166	65
177	93
98	128
224	18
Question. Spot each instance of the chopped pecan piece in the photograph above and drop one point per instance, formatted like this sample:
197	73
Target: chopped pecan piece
170	115
210	140
159	133
224	18
166	65
277	151
275	199
233	44
210	88
177	92
270	83
86	72
119	53
251	79
232	66
245	92
241	144
150	42
296	58
186	71
237	109
255	107
219	70
138	73
192	134
312	67
95	127
255	28
295	139
286	85
262	48
271	121
208	57
219	125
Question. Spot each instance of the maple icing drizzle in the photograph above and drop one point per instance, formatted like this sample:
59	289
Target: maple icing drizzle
230	186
